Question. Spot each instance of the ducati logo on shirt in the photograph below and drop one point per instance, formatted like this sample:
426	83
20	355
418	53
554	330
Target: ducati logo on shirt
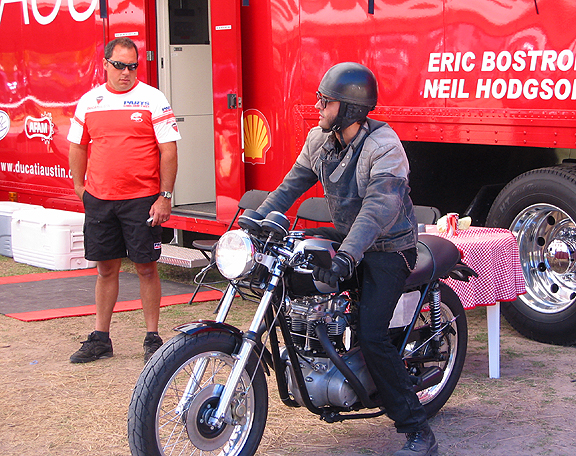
137	117
99	99
175	127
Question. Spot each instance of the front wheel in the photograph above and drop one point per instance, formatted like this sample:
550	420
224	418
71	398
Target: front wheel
160	423
449	356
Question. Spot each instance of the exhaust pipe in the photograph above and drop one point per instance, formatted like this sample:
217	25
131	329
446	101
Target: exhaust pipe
430	377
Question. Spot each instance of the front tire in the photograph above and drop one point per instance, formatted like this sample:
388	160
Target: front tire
453	346
539	207
154	426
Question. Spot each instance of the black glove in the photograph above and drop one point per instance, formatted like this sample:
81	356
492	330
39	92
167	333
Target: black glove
341	268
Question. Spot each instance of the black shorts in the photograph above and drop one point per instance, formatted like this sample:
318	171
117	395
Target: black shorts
117	229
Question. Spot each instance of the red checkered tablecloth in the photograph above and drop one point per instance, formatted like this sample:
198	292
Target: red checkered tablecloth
493	254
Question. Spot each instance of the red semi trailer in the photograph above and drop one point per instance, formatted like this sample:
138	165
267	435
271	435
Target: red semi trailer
482	92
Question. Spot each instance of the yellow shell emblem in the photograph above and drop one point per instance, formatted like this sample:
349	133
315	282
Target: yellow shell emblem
256	136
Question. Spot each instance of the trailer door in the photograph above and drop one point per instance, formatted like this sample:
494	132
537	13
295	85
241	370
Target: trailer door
228	119
185	77
199	71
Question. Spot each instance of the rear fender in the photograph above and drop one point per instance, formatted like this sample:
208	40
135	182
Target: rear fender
462	272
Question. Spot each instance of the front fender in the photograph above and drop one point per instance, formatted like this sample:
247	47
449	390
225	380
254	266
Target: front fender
201	326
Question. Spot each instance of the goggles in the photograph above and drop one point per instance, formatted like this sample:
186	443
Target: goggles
121	66
323	100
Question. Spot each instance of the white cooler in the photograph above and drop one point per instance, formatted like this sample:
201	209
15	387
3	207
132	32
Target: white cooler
7	208
49	238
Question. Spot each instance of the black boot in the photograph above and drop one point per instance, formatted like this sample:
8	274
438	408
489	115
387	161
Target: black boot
152	343
92	349
421	443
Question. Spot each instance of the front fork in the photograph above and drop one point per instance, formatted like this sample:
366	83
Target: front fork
200	366
249	340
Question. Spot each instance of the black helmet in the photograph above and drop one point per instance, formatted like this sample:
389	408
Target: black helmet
351	83
355	87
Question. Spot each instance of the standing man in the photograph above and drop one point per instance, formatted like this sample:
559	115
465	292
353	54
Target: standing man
124	181
363	169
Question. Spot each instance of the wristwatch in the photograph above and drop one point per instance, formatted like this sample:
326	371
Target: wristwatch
167	195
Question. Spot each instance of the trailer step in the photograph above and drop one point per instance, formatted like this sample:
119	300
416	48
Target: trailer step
182	256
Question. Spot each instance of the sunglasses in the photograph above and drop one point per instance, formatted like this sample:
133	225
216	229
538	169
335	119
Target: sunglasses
323	100
122	66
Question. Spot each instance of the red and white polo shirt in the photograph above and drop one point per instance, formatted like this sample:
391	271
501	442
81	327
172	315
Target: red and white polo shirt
123	130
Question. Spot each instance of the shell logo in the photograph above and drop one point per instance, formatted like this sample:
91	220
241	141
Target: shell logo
257	138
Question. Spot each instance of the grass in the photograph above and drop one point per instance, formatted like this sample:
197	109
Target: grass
9	267
82	408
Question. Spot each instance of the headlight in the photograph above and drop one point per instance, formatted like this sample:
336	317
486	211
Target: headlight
235	254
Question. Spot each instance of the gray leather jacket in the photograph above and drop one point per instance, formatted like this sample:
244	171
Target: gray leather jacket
365	185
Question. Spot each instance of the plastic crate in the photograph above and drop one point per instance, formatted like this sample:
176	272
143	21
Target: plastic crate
49	238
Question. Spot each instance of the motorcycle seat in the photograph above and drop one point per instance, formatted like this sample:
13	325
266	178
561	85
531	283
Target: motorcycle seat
436	259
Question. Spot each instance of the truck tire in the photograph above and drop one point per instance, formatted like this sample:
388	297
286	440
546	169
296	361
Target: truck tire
539	207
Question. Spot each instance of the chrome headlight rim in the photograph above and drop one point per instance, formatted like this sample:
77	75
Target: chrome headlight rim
234	254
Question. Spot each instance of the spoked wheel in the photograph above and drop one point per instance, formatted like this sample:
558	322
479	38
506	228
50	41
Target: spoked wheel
452	350
162	422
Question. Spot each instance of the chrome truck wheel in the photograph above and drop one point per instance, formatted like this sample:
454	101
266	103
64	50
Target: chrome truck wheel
539	207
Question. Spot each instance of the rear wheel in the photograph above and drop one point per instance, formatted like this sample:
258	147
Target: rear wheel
539	207
450	355
161	423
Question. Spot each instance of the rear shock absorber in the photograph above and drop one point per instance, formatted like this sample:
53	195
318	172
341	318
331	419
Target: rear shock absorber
435	314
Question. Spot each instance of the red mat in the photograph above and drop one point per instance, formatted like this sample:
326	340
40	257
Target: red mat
122	306
47	275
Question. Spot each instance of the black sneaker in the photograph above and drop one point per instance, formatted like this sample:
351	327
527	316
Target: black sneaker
92	349
151	344
421	443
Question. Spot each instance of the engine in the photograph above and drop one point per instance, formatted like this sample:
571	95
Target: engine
305	313
326	386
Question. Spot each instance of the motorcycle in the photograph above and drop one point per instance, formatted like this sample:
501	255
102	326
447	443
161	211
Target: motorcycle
205	390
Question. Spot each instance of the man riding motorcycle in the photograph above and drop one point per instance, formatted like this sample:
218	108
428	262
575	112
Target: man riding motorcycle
363	170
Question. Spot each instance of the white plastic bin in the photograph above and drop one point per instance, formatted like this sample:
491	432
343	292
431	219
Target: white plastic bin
49	238
7	208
